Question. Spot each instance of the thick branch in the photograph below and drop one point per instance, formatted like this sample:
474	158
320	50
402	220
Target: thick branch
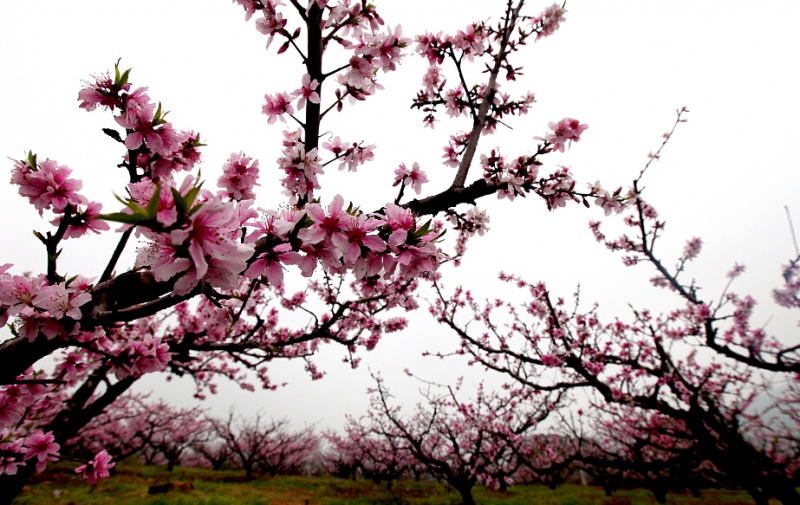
483	111
19	354
453	196
314	69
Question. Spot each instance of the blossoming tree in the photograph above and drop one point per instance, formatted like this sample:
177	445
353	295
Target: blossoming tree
699	365
359	450
206	294
269	446
462	442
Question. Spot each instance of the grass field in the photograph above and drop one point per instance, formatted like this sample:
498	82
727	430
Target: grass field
192	486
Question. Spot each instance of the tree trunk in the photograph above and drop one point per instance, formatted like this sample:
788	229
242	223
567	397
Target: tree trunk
149	457
11	485
759	497
67	424
659	493
466	495
787	495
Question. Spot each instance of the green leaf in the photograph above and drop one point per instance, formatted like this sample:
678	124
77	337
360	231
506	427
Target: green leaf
184	202
152	205
121	217
133	206
306	222
194	209
179	201
32	160
353	211
196	142
192	194
124	80
421	232
136	208
158	119
120	200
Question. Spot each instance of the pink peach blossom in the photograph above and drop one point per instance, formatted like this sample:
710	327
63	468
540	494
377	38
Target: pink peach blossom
96	469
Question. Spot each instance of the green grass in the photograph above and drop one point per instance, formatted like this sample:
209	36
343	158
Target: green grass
59	485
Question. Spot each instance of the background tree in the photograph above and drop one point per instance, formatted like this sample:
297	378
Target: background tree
697	365
461	443
215	453
342	457
268	446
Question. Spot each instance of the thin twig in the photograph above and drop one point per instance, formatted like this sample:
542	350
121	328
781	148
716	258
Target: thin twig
791	228
112	263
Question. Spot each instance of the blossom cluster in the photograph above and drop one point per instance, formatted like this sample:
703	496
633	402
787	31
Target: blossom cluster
205	247
155	148
548	21
455	147
356	27
564	132
96	469
21	439
301	168
787	295
342	239
352	155
467	224
41	307
475	41
239	176
372	51
470	42
47	186
413	177
740	340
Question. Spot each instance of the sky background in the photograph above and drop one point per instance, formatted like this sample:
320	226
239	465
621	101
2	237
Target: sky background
622	67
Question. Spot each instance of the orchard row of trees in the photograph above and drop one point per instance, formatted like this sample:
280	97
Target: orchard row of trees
206	297
159	433
494	439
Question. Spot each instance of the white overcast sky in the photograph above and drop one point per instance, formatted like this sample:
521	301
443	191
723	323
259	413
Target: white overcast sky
622	67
